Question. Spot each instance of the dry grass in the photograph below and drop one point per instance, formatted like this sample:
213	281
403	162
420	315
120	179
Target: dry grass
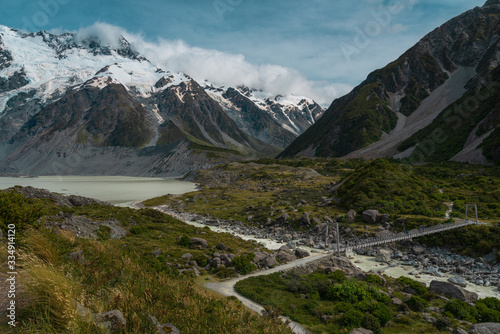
52	291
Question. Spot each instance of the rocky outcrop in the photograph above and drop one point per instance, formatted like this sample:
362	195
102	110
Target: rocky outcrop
450	290
112	321
371	216
84	227
485	328
59	200
199	243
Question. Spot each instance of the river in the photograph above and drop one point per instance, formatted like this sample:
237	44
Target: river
117	190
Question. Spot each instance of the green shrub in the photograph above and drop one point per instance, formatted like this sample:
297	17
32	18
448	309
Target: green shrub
351	319
343	307
417	286
491	302
487	314
337	276
383	314
372	323
243	264
350	291
201	260
136	230
374	279
416	304
226	273
461	310
379	296
184	241
442	323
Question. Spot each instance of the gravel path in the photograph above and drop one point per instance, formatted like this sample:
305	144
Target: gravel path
226	288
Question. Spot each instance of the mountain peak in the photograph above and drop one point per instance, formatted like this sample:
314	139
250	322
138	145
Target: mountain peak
492	2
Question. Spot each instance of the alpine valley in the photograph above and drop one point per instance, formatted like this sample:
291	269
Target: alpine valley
70	106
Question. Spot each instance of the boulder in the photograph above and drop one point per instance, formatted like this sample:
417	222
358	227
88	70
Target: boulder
215	263
485	328
259	256
398	302
301	253
199	242
350	217
76	256
163	328
112	321
305	219
287	237
223	247
383	255
285	257
282	219
285	249
453	291
458	280
385	218
187	256
459	330
270	262
361	331
417	250
156	253
371	216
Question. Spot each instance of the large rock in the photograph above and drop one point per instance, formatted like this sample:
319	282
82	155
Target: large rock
417	250
448	289
350	217
270	262
199	242
112	321
282	219
259	256
458	280
371	216
361	331
286	257
163	328
305	219
301	253
485	328
383	255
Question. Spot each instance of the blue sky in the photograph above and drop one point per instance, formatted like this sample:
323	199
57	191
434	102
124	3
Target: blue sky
328	42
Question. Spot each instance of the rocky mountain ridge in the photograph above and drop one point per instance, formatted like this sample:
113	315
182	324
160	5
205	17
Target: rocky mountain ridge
82	105
413	101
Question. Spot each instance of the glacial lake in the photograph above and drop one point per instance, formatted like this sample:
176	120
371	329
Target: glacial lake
117	190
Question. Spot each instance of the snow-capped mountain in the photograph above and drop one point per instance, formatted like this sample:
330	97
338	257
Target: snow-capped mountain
61	97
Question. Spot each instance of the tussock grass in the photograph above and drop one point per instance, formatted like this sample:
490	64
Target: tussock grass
53	293
41	247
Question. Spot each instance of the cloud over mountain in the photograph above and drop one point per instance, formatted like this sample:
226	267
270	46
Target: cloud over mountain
215	66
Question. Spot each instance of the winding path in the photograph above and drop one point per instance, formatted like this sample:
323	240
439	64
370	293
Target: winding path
226	288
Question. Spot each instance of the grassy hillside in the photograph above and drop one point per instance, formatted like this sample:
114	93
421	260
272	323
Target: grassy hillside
115	274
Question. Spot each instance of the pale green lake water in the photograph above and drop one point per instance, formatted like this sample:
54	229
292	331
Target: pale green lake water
117	190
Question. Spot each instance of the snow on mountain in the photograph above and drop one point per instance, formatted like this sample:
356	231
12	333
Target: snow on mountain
52	64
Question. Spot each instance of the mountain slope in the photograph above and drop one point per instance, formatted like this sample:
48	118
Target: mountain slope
406	96
62	99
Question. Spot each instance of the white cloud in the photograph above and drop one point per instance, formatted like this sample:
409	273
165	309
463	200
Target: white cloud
215	66
397	28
